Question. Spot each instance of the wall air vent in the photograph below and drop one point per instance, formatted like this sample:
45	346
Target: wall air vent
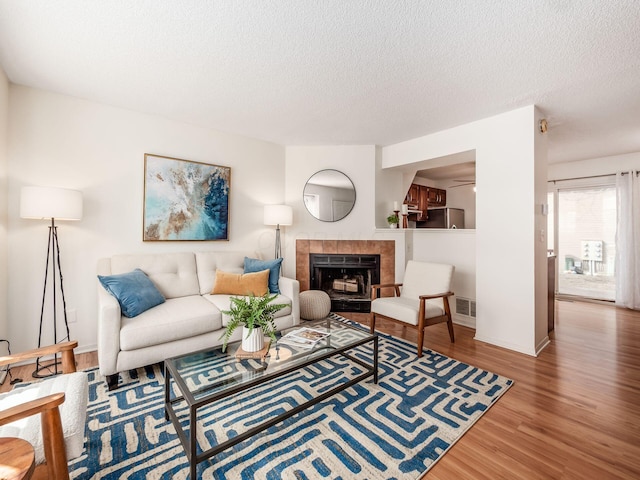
465	307
462	306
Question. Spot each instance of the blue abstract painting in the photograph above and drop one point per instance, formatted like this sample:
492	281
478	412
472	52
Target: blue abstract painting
185	200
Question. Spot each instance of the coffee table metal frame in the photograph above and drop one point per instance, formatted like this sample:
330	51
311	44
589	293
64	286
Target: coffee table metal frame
322	352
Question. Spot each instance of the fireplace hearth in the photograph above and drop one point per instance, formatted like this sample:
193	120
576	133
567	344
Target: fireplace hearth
347	278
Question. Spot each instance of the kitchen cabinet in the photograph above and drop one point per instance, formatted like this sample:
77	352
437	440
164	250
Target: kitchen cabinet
423	204
418	198
413	194
437	197
422	197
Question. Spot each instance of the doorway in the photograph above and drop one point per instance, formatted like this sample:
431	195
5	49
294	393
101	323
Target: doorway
583	229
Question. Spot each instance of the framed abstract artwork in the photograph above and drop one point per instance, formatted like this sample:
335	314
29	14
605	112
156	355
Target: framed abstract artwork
185	200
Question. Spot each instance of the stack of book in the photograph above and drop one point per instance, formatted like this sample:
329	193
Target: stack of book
303	337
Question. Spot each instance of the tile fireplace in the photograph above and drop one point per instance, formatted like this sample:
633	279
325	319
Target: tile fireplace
347	278
345	269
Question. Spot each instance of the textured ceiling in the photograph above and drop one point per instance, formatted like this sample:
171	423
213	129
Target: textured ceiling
305	72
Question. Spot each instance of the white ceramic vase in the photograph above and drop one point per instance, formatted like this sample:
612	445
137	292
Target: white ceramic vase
254	342
393	225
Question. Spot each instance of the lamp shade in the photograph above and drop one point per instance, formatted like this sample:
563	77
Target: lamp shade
278	215
50	202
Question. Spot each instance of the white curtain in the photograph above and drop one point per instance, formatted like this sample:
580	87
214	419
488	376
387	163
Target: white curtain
628	240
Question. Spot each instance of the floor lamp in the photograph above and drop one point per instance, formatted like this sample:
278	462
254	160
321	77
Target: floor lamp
44	203
278	215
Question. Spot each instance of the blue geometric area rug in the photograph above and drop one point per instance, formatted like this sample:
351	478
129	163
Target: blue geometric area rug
396	429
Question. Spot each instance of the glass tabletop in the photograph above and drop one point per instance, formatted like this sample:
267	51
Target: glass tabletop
212	372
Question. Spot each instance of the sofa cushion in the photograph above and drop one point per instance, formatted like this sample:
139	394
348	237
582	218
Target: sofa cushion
173	273
255	265
73	412
134	291
223	302
175	319
241	283
209	262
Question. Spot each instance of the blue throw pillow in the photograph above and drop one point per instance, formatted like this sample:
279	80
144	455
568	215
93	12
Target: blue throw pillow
252	265
134	291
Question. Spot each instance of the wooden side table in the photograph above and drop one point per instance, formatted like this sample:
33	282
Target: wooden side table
17	459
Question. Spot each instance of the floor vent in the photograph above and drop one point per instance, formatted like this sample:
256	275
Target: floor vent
465	307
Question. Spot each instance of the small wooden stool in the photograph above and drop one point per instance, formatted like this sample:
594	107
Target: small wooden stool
17	459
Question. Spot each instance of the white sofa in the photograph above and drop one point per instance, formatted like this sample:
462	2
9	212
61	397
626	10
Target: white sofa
190	319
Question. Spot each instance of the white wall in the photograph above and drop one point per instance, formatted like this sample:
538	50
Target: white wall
455	247
4	113
359	164
511	181
594	166
389	189
56	140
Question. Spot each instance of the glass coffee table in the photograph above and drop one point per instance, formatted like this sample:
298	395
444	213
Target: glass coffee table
193	382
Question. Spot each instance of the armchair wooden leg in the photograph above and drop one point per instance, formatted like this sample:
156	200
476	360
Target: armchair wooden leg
450	326
447	311
372	322
421	326
420	340
53	441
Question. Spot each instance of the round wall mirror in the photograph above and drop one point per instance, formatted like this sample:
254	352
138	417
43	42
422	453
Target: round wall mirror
329	195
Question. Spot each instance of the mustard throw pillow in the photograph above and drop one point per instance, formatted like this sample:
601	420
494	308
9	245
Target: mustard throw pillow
256	283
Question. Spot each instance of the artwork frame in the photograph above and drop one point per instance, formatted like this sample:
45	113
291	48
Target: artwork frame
185	200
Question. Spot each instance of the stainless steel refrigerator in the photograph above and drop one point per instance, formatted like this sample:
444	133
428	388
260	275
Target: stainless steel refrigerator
445	218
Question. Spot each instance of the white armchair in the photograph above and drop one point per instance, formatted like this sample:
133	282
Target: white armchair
421	300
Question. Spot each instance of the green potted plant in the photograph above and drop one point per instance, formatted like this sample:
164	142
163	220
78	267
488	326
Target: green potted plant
393	220
255	315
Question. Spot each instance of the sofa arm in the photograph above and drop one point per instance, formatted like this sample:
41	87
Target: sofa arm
291	288
109	320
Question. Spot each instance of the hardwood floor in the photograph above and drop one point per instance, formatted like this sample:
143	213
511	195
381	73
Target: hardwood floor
573	412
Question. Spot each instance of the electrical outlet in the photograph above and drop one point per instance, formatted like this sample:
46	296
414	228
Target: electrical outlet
72	315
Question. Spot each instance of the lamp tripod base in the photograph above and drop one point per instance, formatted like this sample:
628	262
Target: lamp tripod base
277	253
44	370
50	369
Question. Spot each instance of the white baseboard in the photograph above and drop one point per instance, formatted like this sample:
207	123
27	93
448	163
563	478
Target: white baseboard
464	321
542	345
85	349
508	345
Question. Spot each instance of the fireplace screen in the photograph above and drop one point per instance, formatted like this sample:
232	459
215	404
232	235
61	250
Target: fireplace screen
346	278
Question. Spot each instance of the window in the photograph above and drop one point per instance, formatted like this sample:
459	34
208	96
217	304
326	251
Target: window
586	250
